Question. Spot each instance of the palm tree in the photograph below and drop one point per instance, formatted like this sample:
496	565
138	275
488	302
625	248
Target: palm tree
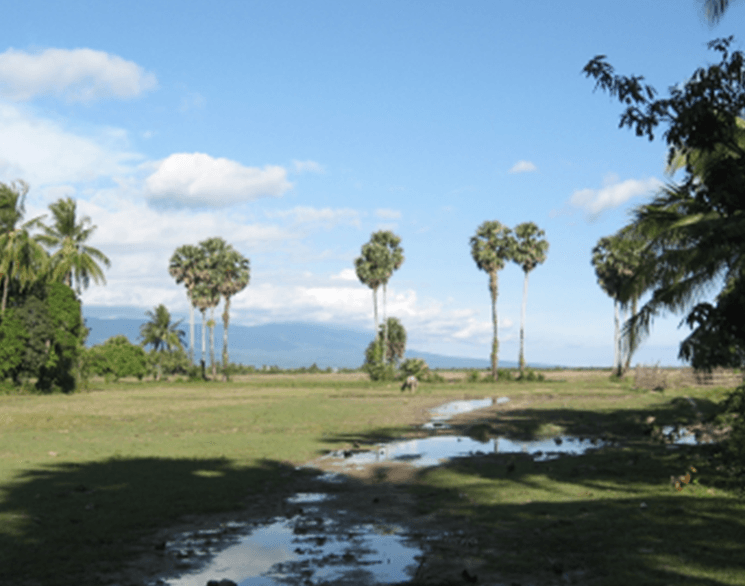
395	343
393	256
214	250
234	276
204	296
73	260
21	255
160	333
491	247
183	267
530	251
370	269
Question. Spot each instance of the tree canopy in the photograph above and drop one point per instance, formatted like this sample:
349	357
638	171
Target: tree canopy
692	229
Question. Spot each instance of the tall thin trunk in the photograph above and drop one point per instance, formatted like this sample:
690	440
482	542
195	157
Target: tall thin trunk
6	284
225	320
493	289
375	309
631	338
521	360
204	339
385	324
191	331
213	366
617	358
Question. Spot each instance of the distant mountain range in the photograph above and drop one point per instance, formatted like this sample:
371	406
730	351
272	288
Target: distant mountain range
287	345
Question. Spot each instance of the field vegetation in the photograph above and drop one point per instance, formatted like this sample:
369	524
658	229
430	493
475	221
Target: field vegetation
86	479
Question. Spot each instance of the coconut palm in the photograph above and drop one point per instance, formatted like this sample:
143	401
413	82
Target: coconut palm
73	260
491	247
393	256
184	267
160	333
234	276
530	251
21	256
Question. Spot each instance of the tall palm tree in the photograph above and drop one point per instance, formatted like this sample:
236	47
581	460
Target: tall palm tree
370	269
204	297
491	247
73	259
234	276
530	251
184	267
21	255
160	333
214	250
393	258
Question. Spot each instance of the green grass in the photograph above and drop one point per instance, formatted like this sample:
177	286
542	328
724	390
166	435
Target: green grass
84	477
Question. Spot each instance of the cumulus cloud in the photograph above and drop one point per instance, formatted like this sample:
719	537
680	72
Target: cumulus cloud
345	275
307	167
328	217
79	75
43	152
613	194
386	214
199	180
523	167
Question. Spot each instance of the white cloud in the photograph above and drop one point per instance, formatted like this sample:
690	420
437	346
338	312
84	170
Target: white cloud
79	75
307	167
199	180
43	152
523	167
612	194
345	275
386	214
328	217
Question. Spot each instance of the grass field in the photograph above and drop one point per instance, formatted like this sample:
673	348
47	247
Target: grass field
84	478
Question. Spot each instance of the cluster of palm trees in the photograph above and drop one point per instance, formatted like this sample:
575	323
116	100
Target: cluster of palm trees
211	271
32	250
379	258
494	245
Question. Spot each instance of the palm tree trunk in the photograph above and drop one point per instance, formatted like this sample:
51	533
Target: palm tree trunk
204	340
213	366
617	358
6	284
385	324
493	289
191	331
375	310
521	359
225	320
632	338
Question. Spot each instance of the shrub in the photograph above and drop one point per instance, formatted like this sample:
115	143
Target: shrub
414	367
374	365
117	357
473	376
530	375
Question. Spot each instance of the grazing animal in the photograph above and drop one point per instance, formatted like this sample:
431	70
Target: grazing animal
410	383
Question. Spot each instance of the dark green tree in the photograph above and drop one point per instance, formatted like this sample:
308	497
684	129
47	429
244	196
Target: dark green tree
117	357
395	341
694	227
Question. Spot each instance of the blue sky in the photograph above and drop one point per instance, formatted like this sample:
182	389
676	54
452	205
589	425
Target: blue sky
294	129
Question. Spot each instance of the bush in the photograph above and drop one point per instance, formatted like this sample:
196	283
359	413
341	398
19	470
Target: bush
473	376
374	365
117	357
414	367
530	375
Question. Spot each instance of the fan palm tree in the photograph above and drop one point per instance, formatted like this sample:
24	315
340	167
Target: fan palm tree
73	260
491	247
370	270
184	267
21	256
234	276
393	258
160	333
215	251
530	251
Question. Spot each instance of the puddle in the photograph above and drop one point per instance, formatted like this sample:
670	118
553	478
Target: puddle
300	550
432	451
680	436
444	412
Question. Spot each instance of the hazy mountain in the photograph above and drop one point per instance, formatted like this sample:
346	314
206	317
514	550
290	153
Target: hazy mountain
287	345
